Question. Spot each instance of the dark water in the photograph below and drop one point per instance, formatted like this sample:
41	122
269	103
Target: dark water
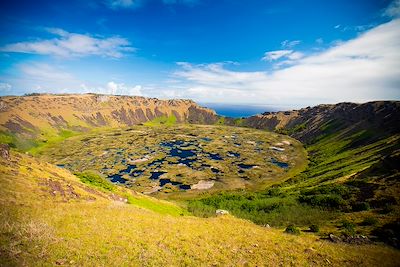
173	143
156	175
233	154
116	178
215	156
214	170
245	166
176	152
128	169
179	184
279	163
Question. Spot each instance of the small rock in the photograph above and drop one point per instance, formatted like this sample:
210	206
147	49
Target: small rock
61	261
334	238
309	250
221	212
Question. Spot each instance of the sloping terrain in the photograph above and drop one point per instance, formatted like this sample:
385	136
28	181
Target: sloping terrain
378	119
352	178
50	217
34	120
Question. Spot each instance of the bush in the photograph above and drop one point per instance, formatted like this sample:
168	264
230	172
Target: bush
291	229
360	206
349	229
387	209
389	233
324	201
314	228
369	221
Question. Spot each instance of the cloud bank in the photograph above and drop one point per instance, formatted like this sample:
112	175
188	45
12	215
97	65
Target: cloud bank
363	69
68	44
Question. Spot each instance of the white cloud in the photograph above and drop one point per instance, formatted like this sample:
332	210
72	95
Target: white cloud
337	26
290	44
5	88
45	72
280	54
393	10
122	89
363	69
121	4
45	78
275	55
73	45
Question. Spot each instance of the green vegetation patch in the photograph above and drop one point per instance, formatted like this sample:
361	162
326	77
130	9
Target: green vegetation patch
95	180
163	120
156	206
7	138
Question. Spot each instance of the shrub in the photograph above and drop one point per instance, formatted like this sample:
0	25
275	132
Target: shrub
369	221
360	206
273	192
349	229
291	229
389	233
314	228
387	209
324	201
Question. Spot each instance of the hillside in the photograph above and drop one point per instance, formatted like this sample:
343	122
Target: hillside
352	177
341	186
377	119
49	217
30	121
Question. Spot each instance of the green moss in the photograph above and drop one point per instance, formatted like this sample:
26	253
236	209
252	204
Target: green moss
48	138
163	120
156	206
7	138
95	180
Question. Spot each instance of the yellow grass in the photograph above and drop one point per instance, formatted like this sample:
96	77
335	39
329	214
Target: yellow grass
41	228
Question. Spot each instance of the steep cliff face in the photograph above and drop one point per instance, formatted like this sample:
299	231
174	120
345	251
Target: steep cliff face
30	115
307	124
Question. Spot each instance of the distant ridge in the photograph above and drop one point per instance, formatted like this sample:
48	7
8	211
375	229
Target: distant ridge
30	115
306	124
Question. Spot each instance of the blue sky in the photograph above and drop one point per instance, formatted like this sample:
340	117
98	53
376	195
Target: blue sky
285	53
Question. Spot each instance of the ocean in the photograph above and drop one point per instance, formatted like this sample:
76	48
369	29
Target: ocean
236	110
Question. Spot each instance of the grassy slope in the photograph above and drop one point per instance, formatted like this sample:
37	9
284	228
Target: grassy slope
328	192
48	217
163	120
